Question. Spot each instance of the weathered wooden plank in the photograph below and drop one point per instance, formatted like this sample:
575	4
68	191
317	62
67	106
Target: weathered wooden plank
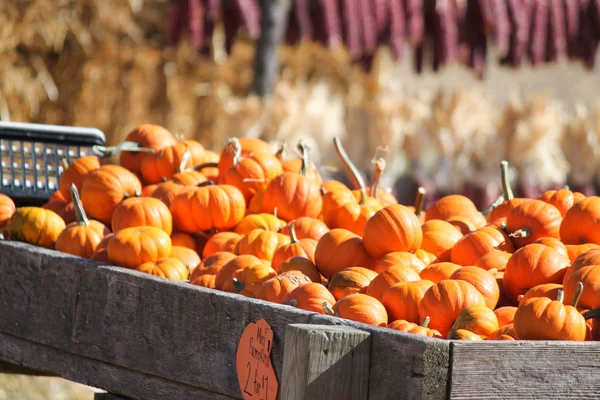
317	355
122	381
178	331
14	369
525	370
109	396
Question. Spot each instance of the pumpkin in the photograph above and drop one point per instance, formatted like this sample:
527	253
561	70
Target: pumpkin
104	188
207	163
255	203
276	288
252	173
7	209
504	300
188	257
478	319
295	164
393	228
350	280
75	173
297	247
267	222
208	207
504	208
439	271
549	290
495	259
131	247
580	224
184	240
307	228
410	327
541	318
147	190
300	264
575	250
64	209
148	136
225	274
533	265
293	196
532	220
439	237
392	275
476	244
196	151
249	146
101	253
189	177
590	278
222	241
361	308
206	280
562	199
211	265
401	300
506	332
463	334
142	211
398	258
166	191
310	297
445	300
555	243
505	315
35	225
425	257
166	162
81	238
590	257
483	281
339	249
247	280
454	205
261	243
170	268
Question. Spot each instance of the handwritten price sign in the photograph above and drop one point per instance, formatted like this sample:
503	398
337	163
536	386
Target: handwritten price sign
253	362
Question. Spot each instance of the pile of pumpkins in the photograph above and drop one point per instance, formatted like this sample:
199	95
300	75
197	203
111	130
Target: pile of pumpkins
252	222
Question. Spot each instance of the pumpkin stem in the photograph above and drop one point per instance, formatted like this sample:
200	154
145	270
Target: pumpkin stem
280	151
109	151
521	233
64	164
164	179
303	148
292	230
379	167
577	294
506	189
184	161
328	310
275	212
593	313
425	322
82	218
491	207
349	167
560	297
205	183
420	201
206	165
235	145
567	187
293	303
239	286
323	190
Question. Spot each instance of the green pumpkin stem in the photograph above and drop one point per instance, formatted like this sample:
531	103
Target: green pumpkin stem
506	189
353	172
420	201
292	231
239	286
577	294
492	206
379	168
235	145
82	218
560	297
303	148
104	151
425	322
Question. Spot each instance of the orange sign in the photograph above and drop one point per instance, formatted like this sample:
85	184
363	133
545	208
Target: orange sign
253	362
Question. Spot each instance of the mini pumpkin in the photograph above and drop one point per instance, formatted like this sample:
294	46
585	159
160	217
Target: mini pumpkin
575	250
393	228
505	315
533	220
7	209
463	334
401	300
506	332
451	206
296	247
312	297
183	240
495	259
410	327
555	243
260	243
483	281
339	249
300	264
580	224
188	257
478	319
246	281
131	247
75	173
295	164
225	274
562	199
35	225
211	265
392	275
142	211
268	222
439	271
221	241
361	308
170	268
249	146
350	280
307	228
398	258
64	209
276	288
292	196
476	244
439	237
148	136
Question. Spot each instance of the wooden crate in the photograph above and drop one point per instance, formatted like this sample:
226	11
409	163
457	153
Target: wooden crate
141	336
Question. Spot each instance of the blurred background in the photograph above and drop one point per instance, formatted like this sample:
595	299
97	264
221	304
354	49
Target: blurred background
438	88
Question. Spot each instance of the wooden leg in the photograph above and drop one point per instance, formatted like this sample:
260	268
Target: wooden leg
325	362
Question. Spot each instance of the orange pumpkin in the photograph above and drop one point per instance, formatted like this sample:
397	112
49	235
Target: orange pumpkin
188	257
549	290
562	199
206	280
312	297
476	244
393	228
7	209
35	225
533	265
267	222
211	265
555	243
131	247
249	146
225	274
64	209
506	332
483	281
292	196
297	247
75	173
504	208
361	308
147	190
247	280
439	237
505	315
209	207
339	249
401	300
261	243
81	238
580	224
183	240
148	136
533	220
495	259
478	319
398	258
189	177
104	188
439	271
101	253
142	211
166	162
392	275
382	195
222	241
575	250
276	288
463	334
425	257
170	268
590	278
350	280
166	191
300	264
295	164
504	300
454	205
307	228
410	327
445	300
